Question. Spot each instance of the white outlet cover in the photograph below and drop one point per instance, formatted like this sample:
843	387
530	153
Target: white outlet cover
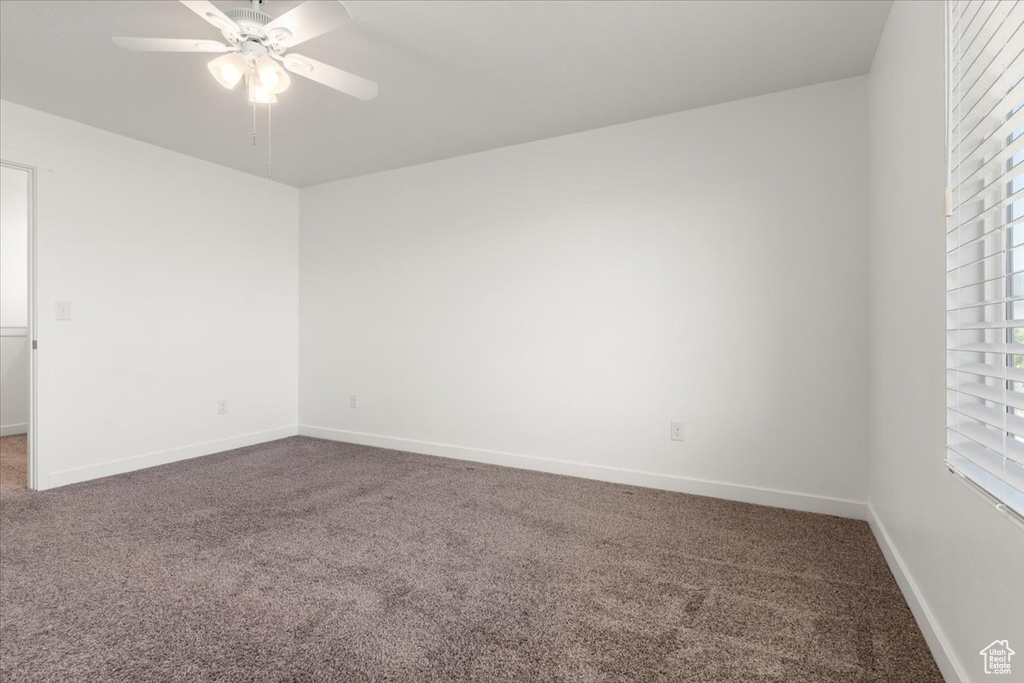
63	310
353	400
677	431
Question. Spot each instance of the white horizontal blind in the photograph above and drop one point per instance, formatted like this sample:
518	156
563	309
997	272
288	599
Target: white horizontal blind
985	248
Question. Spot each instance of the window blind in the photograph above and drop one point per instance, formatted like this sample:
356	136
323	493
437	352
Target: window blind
985	248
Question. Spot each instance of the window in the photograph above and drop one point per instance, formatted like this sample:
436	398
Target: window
985	248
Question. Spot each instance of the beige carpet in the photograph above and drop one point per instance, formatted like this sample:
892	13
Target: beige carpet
13	463
307	560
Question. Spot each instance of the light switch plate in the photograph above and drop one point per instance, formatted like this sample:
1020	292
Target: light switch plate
63	310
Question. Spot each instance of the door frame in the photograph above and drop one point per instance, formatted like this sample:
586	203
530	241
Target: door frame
31	431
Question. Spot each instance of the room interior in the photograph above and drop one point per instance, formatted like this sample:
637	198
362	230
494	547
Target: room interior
506	341
15	196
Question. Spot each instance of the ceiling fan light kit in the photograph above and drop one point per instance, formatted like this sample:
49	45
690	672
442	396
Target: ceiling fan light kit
257	44
256	49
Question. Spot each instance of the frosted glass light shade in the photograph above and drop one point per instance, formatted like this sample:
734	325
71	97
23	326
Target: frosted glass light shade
256	91
271	75
228	69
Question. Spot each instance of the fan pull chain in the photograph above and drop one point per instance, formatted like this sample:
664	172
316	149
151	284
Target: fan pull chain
251	75
270	109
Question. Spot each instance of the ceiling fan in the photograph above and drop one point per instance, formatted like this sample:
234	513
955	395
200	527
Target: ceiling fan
257	45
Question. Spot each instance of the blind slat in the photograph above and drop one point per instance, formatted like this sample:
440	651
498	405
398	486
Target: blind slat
991	140
971	25
993	417
975	78
995	302
986	325
990	347
991	188
985	165
1013	399
1006	372
989	105
990	31
992	439
1010	472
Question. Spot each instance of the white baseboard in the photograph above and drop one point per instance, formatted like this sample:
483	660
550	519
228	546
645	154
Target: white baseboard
701	487
941	651
106	469
11	430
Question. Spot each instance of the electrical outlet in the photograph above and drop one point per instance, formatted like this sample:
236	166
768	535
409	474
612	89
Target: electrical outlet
222	406
353	400
677	430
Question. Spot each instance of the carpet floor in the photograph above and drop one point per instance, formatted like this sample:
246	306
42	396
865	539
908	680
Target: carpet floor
13	462
309	560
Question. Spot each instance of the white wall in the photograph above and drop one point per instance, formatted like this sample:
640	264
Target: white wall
13	301
565	299
182	276
962	561
13	247
13	384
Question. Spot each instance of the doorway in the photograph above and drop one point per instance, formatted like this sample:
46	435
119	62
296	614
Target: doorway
17	366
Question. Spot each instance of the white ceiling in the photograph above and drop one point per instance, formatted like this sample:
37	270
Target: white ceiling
455	77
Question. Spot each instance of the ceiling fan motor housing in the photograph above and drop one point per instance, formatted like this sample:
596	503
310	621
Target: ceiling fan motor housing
252	49
248	17
251	22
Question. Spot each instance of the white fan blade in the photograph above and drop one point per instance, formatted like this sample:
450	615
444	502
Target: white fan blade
308	20
170	44
209	12
332	77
